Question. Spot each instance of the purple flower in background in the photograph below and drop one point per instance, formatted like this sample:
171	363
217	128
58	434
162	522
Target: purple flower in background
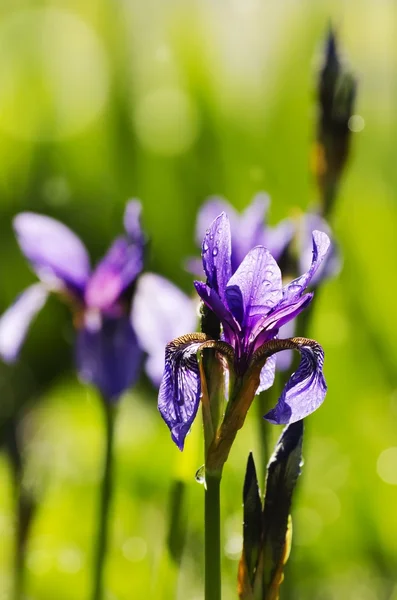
107	350
251	305
248	229
160	313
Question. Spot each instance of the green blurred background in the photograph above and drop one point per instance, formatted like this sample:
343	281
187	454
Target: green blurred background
170	102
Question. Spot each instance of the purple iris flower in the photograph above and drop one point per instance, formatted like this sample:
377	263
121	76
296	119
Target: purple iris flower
251	305
107	351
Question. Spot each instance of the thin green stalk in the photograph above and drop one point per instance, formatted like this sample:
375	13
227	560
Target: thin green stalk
212	518
109	411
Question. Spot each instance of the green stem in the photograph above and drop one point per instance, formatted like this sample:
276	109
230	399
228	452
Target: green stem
212	537
105	501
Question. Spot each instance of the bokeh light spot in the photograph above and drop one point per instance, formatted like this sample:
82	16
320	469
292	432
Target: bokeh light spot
134	549
387	465
63	65
39	561
309	526
356	123
70	560
166	121
233	546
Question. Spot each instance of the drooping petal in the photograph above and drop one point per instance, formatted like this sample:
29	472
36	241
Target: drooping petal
216	254
249	229
56	254
180	389
281	315
304	391
255	288
268	374
113	274
294	290
15	322
109	356
160	313
332	262
213	301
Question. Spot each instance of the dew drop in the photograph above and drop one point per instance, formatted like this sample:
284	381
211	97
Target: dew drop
205	247
215	251
200	475
211	236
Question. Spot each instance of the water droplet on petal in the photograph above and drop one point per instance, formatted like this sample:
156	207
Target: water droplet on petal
215	251
200	475
205	247
211	236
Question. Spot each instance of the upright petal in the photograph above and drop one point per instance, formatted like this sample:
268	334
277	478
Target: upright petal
180	389
109	357
255	288
209	211
304	391
132	222
216	254
113	274
332	263
214	303
56	254
294	290
14	323
160	313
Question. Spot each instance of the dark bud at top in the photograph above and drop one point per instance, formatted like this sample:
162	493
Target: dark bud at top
336	96
210	324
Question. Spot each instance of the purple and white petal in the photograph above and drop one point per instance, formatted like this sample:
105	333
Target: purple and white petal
132	222
15	322
180	389
113	274
254	289
249	230
284	358
216	254
109	356
332	264
304	391
294	290
209	211
268	374
160	313
56	254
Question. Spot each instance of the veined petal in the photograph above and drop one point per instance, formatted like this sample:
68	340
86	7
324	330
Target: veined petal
56	254
109	357
160	313
114	273
282	315
180	389
15	322
209	211
304	391
216	254
255	288
294	290
267	375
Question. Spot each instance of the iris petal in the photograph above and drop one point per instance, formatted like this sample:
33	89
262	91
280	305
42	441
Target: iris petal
15	322
304	391
267	375
109	356
160	313
216	254
56	254
180	389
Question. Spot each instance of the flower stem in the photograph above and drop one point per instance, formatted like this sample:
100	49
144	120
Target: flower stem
212	537
105	500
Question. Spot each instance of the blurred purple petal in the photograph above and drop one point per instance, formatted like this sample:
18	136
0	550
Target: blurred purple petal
113	274
15	322
109	357
209	211
132	222
160	313
304	391
255	288
278	238
284	358
180	389
216	253
294	290
268	374
56	254
248	229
